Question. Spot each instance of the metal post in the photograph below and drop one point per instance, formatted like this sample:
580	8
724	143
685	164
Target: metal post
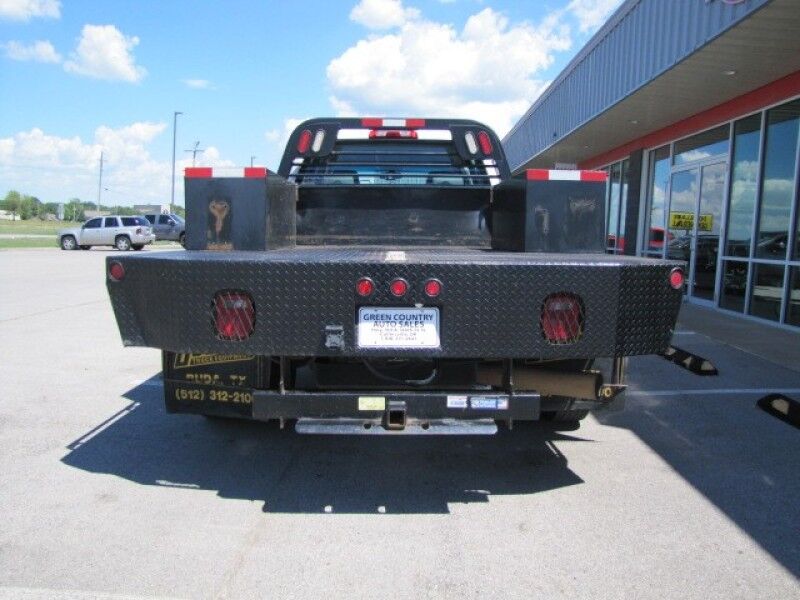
174	132
252	158
100	183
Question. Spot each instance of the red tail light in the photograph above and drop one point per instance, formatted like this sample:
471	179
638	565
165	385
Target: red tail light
485	142
304	141
234	315
433	287
676	278
116	272
398	287
365	287
562	318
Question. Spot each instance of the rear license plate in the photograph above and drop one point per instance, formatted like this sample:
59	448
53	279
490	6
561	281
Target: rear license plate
398	327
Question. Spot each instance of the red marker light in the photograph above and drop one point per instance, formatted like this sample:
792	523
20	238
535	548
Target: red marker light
365	287
676	278
433	287
398	287
304	141
485	142
116	271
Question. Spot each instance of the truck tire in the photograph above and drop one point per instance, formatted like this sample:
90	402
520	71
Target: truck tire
182	240
68	242
122	243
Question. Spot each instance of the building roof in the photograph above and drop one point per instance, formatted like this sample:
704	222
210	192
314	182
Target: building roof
652	64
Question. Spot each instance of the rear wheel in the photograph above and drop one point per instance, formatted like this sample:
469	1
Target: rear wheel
68	242
122	243
182	239
137	246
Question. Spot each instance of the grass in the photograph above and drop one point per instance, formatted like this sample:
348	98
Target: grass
10	243
34	226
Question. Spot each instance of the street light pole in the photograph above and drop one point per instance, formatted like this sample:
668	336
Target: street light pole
100	183
174	135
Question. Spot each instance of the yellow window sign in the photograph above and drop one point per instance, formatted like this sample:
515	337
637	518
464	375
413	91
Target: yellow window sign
685	220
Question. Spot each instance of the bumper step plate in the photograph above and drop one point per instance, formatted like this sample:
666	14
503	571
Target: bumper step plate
413	427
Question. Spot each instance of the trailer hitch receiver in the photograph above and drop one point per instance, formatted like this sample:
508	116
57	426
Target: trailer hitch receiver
396	415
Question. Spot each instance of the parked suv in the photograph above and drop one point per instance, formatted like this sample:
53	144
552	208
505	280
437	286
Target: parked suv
121	232
168	227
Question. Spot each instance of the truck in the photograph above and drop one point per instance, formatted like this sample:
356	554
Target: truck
394	277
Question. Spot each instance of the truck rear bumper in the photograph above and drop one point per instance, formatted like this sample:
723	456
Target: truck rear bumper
306	305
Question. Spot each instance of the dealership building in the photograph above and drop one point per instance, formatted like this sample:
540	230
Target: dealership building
693	109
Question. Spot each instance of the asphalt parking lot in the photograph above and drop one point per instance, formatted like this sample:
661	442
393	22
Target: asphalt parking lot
692	491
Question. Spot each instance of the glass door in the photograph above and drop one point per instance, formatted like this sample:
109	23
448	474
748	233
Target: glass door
707	223
697	198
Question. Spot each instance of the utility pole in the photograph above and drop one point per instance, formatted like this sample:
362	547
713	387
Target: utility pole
174	133
252	158
194	151
100	183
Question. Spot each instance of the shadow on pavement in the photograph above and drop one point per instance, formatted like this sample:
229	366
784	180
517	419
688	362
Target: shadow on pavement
741	459
294	473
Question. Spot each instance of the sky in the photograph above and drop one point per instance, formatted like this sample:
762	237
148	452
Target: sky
82	77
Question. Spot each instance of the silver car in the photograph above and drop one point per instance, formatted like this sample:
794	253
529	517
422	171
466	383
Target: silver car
121	232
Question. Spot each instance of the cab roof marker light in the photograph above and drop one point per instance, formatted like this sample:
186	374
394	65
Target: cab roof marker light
393	134
319	137
407	123
472	145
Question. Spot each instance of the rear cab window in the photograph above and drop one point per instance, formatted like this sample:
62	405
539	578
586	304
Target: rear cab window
393	163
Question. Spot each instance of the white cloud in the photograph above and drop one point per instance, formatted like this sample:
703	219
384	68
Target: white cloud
485	71
591	14
279	137
39	51
382	14
57	168
198	84
25	10
104	52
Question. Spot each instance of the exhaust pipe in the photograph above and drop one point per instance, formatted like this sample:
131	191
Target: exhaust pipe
584	385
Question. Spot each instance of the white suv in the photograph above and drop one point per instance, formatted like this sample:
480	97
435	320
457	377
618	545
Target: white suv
121	232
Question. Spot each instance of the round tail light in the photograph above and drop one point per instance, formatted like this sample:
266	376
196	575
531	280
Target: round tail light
398	287
433	287
365	287
116	271
676	278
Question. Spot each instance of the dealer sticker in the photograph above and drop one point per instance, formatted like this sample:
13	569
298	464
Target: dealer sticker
456	402
488	403
380	327
371	403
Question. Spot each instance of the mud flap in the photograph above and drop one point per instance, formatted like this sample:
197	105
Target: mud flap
213	384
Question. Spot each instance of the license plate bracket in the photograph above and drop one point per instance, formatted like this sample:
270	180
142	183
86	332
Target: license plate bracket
401	327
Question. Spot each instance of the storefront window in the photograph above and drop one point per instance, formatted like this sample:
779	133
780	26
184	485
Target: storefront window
777	186
744	181
765	297
659	177
613	207
703	145
623	207
734	285
793	312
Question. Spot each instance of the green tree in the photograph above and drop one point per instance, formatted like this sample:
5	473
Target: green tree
12	203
